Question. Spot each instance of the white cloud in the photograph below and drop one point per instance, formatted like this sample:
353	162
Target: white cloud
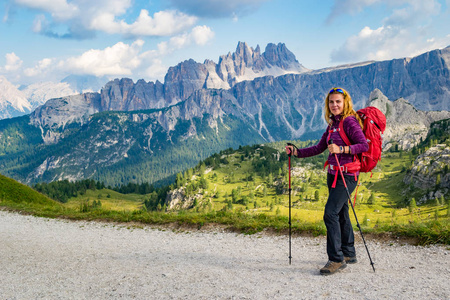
163	23
200	35
413	13
403	9
386	43
59	9
82	16
120	59
155	70
13	62
124	59
41	68
404	33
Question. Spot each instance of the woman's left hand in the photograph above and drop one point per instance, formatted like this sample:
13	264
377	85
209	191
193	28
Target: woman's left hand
333	148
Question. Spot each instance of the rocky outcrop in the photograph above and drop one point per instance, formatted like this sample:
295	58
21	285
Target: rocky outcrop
125	95
406	125
177	200
53	117
430	172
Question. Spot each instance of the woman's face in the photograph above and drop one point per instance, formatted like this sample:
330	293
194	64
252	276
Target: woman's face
336	103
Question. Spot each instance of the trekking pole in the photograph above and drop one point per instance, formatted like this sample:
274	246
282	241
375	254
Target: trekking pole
290	229
290	221
351	204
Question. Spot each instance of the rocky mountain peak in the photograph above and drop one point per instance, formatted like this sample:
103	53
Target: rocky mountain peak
12	101
279	55
244	53
52	117
182	80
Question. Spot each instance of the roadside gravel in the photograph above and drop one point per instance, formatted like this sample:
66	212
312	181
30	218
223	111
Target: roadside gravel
55	259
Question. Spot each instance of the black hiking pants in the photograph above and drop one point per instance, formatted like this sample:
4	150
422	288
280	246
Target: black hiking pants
340	237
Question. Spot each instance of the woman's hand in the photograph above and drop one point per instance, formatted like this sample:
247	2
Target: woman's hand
291	149
333	148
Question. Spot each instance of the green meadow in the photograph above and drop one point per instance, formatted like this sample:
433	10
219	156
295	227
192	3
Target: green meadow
234	195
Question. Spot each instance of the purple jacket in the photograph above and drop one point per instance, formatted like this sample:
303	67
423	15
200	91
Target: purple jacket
355	135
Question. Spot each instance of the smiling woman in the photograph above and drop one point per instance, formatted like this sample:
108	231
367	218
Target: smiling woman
340	237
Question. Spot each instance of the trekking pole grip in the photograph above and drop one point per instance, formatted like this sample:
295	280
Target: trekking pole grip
290	144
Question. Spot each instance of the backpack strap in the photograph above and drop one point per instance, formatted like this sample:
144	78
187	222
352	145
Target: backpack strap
343	134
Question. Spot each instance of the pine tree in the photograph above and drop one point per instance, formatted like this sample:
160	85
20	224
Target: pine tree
179	180
270	179
412	205
437	202
371	199
202	169
366	220
438	179
229	205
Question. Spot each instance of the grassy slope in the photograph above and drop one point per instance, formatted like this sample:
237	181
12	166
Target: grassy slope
270	211
429	222
17	196
110	200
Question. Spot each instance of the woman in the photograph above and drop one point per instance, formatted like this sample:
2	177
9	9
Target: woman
340	238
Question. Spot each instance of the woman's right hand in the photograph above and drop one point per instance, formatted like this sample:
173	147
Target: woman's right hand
290	149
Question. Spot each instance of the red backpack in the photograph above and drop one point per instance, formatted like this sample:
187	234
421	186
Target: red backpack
374	125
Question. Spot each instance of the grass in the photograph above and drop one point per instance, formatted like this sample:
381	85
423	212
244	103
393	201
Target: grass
427	224
110	200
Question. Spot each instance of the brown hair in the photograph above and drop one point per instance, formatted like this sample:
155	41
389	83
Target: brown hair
348	106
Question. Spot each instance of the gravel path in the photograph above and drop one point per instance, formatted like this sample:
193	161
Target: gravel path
55	259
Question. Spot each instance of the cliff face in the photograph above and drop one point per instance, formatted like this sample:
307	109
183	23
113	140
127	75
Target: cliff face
429	172
189	76
53	117
406	125
428	165
125	95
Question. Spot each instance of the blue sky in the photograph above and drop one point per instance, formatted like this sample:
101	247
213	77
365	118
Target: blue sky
46	40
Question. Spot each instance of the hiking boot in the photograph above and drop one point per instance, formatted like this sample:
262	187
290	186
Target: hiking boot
350	260
332	267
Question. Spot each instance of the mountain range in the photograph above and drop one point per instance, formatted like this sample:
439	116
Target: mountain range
21	100
149	131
